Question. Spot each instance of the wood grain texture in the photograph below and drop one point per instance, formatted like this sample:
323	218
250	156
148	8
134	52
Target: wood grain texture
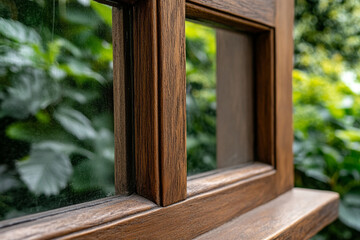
208	181
234	98
218	19
146	100
66	220
124	168
265	97
283	99
297	214
261	11
192	217
172	100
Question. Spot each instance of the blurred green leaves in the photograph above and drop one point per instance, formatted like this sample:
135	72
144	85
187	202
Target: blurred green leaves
18	32
200	97
56	112
75	123
30	92
326	97
45	171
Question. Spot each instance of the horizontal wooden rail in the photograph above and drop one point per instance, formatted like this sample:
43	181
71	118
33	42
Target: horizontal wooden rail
209	206
261	11
207	181
297	214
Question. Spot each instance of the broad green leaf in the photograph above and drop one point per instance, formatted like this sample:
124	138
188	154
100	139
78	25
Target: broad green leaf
54	48
81	96
66	148
75	123
352	199
37	132
350	215
18	32
69	46
14	60
80	71
30	92
45	171
317	174
104	12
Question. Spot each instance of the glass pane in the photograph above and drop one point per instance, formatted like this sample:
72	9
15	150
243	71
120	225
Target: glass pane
219	101
200	97
56	106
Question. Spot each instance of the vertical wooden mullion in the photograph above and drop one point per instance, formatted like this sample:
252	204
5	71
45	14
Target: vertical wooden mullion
146	100
283	99
159	100
124	167
172	100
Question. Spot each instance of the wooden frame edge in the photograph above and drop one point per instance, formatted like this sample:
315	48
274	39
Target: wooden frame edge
264	74
253	10
283	95
172	100
94	219
208	181
291	217
146	106
123	101
205	211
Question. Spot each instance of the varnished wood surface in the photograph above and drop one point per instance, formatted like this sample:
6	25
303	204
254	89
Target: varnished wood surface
207	181
124	168
283	98
234	98
146	100
134	217
62	221
297	214
219	19
261	11
264	98
192	217
172	100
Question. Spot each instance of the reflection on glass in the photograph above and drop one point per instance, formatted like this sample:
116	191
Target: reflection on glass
219	100
56	117
200	97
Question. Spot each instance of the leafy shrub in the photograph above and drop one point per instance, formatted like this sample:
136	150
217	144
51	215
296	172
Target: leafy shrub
56	119
326	101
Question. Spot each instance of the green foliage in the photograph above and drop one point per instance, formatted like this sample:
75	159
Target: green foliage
56	124
45	171
200	97
326	97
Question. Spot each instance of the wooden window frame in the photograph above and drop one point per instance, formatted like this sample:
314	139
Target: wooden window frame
159	28
150	135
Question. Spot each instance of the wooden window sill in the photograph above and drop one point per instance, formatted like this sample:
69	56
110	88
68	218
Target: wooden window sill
296	214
